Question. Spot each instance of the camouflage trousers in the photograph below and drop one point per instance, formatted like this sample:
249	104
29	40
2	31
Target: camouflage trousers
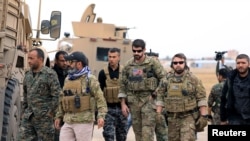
115	125
181	128
143	117
37	129
161	129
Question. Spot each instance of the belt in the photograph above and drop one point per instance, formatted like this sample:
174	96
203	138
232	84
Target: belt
114	104
182	114
145	93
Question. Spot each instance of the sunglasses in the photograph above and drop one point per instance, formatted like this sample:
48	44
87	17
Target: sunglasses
178	62
138	51
71	61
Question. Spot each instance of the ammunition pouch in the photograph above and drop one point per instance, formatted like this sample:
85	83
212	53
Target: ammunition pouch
68	93
69	105
111	94
180	104
142	84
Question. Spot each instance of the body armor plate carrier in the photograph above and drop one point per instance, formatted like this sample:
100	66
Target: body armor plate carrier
180	97
142	78
112	87
78	92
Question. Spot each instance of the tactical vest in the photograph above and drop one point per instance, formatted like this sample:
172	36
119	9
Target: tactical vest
112	86
78	87
180	95
141	77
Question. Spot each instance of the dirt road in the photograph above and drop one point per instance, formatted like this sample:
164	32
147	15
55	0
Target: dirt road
202	136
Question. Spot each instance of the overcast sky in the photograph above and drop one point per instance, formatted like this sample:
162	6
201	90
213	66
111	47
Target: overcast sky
194	27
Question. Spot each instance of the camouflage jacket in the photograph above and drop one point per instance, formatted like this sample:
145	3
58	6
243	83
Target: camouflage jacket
158	72
40	93
193	81
96	98
214	98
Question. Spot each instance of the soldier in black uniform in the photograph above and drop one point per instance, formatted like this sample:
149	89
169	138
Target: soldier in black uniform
115	121
61	68
235	100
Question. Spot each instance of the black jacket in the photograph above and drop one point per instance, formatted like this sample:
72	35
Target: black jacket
227	108
62	74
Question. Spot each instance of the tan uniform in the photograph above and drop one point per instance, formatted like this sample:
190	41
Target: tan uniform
182	95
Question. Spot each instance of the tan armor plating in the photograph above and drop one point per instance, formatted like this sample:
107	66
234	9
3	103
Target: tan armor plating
68	102
112	87
176	101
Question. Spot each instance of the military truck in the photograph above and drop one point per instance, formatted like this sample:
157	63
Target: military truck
95	38
16	39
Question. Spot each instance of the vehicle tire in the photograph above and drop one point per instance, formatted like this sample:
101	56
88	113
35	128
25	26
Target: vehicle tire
12	111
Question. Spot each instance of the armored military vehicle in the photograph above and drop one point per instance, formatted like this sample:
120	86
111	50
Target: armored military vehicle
95	38
15	40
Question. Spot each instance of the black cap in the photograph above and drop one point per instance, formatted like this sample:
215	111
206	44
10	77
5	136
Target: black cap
78	56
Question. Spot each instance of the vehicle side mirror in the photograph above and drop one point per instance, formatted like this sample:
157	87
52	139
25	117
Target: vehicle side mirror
55	24
45	26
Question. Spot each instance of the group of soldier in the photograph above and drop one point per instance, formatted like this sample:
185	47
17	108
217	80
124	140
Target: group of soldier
171	104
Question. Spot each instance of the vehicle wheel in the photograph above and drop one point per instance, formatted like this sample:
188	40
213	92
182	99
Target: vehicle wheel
12	111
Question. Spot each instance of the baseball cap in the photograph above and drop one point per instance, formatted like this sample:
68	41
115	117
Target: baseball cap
78	56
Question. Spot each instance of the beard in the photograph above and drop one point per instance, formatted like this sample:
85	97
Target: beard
72	70
138	57
33	66
179	71
242	70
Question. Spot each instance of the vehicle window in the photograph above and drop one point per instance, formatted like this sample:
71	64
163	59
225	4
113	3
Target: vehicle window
102	54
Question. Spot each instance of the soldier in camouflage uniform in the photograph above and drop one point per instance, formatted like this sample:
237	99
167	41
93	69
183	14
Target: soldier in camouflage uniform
140	78
161	129
109	76
214	97
81	92
182	92
41	91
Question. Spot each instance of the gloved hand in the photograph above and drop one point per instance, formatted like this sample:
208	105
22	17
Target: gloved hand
201	123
